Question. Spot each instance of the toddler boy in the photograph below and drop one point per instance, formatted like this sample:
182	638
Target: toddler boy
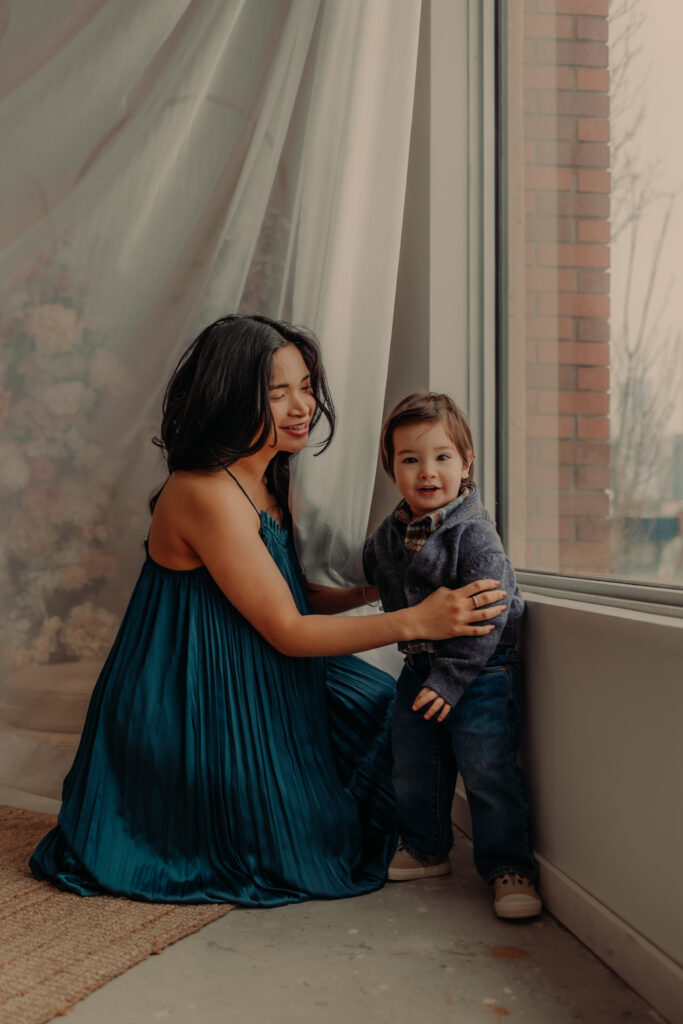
458	702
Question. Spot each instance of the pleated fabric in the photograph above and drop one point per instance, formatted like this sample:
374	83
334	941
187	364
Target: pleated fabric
213	768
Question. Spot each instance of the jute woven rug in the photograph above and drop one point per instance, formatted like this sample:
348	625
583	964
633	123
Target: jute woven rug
56	948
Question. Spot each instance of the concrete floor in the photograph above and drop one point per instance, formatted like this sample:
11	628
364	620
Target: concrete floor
414	953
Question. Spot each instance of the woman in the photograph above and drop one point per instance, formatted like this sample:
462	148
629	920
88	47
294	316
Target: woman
229	753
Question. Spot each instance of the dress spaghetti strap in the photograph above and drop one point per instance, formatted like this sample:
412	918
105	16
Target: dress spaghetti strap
256	510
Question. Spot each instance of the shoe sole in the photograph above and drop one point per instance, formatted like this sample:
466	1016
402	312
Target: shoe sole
524	907
410	874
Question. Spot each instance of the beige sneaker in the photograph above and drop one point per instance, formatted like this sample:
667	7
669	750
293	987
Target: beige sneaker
516	897
404	867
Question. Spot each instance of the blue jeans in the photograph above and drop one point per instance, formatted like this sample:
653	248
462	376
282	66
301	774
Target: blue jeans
479	738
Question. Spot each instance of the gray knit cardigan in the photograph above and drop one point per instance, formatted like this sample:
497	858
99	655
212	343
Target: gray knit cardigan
465	548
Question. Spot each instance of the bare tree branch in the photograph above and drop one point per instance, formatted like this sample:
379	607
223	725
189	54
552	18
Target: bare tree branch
645	354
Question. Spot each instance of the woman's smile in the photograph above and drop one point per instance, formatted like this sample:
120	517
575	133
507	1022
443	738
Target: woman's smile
297	429
291	394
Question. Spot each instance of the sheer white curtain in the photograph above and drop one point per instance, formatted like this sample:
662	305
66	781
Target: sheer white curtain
164	164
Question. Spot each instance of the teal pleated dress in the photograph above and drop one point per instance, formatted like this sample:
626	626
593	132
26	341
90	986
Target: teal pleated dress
214	768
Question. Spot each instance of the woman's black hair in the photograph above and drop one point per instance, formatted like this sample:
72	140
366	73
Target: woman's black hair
217	403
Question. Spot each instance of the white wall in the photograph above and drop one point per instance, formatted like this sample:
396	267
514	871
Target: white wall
605	706
604	758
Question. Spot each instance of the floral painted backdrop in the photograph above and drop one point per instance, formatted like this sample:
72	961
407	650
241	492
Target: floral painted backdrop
61	536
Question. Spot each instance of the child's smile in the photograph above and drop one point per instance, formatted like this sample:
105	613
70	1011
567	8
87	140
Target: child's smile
428	468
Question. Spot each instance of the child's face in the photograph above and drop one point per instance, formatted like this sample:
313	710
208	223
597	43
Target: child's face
428	468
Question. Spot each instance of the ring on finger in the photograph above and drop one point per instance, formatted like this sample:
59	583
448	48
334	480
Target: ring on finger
475	602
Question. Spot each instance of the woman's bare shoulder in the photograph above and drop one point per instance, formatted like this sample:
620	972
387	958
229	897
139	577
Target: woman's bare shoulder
194	501
195	481
200	490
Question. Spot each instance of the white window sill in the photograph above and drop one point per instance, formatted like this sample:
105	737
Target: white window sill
662	615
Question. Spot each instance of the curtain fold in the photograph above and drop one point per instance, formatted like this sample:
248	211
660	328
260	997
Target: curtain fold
162	165
350	218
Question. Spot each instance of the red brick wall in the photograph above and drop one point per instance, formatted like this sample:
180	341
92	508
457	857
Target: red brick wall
567	185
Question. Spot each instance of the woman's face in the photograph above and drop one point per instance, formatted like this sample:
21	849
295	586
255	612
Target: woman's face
291	399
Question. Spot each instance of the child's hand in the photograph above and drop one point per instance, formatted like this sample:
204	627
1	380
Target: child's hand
427	696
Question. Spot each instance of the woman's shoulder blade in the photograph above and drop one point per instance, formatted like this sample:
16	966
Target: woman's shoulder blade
207	495
196	504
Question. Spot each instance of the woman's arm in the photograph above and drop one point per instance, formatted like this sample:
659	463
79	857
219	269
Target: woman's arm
332	600
219	525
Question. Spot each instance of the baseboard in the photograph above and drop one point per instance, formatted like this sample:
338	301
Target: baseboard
655	976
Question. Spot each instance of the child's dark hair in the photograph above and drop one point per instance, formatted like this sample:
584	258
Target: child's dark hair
217	403
428	407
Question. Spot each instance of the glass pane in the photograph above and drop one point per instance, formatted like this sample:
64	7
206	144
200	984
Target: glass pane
595	293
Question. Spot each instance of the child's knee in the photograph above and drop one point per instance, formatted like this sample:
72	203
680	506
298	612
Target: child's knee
487	766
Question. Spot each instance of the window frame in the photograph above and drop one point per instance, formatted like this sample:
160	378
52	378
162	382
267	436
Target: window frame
615	592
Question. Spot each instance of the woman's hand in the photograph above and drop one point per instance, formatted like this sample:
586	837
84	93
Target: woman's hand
463	612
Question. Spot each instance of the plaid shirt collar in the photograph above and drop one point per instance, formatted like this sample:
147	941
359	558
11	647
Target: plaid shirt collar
418	530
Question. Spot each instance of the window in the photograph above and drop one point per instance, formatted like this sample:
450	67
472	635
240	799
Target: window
591	201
